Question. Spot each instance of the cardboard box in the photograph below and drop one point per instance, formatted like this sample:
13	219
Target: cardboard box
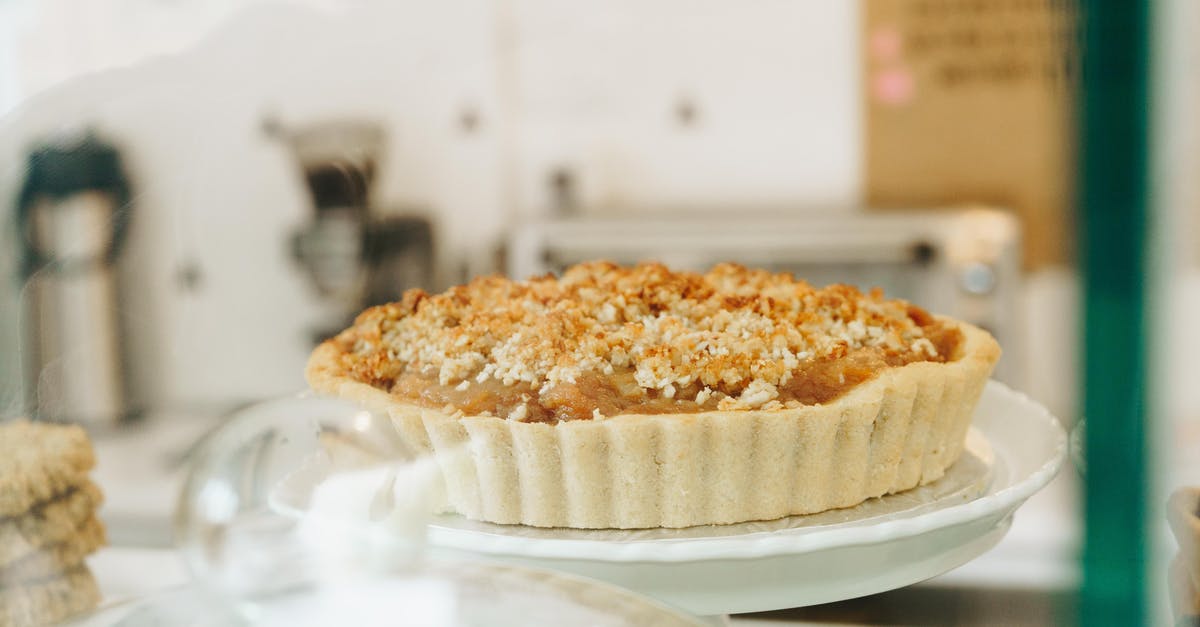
972	101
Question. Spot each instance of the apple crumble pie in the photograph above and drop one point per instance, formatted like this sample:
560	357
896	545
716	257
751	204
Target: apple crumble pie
643	397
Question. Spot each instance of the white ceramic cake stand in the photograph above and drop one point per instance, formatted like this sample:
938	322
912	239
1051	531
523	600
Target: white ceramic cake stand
1014	449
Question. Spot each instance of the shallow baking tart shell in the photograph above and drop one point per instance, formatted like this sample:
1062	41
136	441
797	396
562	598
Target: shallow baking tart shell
901	429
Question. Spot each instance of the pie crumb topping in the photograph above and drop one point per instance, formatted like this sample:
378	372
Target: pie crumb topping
731	338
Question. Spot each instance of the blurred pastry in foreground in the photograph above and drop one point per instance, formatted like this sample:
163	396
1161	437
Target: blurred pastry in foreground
54	559
39	462
48	523
46	601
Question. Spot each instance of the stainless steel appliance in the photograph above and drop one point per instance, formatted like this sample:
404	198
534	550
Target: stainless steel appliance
73	213
354	253
964	264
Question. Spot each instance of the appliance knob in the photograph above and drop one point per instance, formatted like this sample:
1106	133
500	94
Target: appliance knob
978	278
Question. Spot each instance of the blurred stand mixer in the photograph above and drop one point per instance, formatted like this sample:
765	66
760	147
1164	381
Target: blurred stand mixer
355	253
73	216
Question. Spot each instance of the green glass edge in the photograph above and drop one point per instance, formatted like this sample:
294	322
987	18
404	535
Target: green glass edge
1113	197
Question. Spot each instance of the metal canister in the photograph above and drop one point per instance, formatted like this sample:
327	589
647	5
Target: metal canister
73	213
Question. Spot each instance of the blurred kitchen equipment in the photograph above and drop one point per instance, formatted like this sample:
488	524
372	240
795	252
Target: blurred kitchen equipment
73	213
964	264
355	255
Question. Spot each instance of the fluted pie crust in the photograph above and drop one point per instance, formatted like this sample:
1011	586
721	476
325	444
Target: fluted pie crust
900	429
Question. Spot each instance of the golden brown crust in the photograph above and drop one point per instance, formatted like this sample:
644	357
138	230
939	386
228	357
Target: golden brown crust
644	337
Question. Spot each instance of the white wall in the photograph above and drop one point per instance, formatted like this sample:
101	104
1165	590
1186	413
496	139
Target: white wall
773	86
